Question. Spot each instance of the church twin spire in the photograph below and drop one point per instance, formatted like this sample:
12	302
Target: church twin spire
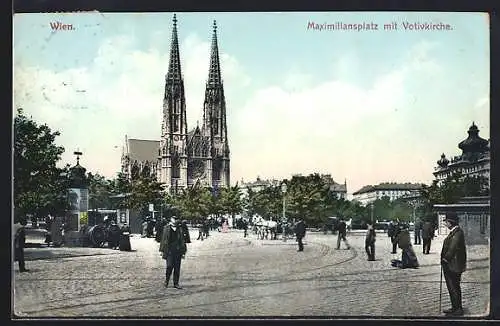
174	66
184	157
214	75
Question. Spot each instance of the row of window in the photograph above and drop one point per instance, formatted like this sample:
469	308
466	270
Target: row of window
467	170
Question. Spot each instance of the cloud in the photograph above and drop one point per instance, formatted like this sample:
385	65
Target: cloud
120	93
366	133
340	127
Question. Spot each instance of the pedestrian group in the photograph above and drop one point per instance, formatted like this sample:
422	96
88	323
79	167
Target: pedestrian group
174	235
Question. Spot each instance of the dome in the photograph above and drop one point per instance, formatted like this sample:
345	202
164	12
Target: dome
77	176
443	162
473	143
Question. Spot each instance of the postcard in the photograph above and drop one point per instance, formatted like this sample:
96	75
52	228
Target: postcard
251	165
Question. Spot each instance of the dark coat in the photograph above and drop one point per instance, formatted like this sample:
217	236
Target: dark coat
454	253
185	232
370	235
19	243
403	239
393	230
427	230
419	224
179	245
342	227
300	229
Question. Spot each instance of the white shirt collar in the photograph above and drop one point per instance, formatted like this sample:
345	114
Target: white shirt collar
453	228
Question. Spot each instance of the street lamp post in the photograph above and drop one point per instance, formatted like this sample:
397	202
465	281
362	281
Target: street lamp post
372	213
283	190
414	217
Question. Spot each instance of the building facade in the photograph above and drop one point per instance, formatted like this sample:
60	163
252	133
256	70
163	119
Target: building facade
184	157
474	161
474	218
340	190
368	194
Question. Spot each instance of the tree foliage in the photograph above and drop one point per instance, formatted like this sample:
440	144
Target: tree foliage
40	187
453	188
194	202
100	190
144	190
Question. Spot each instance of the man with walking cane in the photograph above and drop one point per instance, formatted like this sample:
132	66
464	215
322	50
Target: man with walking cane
453	264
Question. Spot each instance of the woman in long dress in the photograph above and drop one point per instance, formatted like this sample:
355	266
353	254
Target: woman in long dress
56	231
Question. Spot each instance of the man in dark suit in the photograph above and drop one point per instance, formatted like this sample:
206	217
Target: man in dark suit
370	242
300	232
427	235
173	248
393	231
245	229
418	231
453	261
342	229
19	243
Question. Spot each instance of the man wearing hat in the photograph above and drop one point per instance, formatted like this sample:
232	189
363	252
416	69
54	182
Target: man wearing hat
300	233
19	243
173	249
427	235
453	261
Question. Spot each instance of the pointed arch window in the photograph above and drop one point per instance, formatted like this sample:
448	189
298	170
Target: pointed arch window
197	151
135	171
176	168
176	116
216	170
205	150
216	126
146	171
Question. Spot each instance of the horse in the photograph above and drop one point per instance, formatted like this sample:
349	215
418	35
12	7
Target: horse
348	225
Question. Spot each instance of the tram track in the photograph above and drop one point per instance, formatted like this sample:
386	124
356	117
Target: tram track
324	251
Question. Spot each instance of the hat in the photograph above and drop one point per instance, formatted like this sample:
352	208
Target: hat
451	216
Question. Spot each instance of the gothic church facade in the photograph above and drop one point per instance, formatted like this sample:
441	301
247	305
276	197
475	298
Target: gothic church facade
183	158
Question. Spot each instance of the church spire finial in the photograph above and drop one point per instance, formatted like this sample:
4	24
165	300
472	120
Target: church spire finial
174	66
214	75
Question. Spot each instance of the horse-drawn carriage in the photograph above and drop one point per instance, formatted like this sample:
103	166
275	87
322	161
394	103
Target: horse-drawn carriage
271	229
111	233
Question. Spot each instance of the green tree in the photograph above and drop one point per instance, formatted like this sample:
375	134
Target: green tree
452	189
250	202
100	190
40	187
306	197
144	190
402	210
231	200
194	202
120	191
353	209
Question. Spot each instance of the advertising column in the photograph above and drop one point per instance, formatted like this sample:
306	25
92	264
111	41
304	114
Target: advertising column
83	208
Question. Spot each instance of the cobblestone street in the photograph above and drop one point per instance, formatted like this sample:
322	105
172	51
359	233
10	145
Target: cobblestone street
229	275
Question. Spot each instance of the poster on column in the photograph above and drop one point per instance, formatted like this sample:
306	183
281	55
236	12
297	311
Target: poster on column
84	200
74	199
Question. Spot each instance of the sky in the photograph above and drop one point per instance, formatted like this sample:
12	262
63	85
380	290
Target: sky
366	106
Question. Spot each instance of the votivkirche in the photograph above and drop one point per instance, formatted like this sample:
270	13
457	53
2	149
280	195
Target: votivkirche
182	158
